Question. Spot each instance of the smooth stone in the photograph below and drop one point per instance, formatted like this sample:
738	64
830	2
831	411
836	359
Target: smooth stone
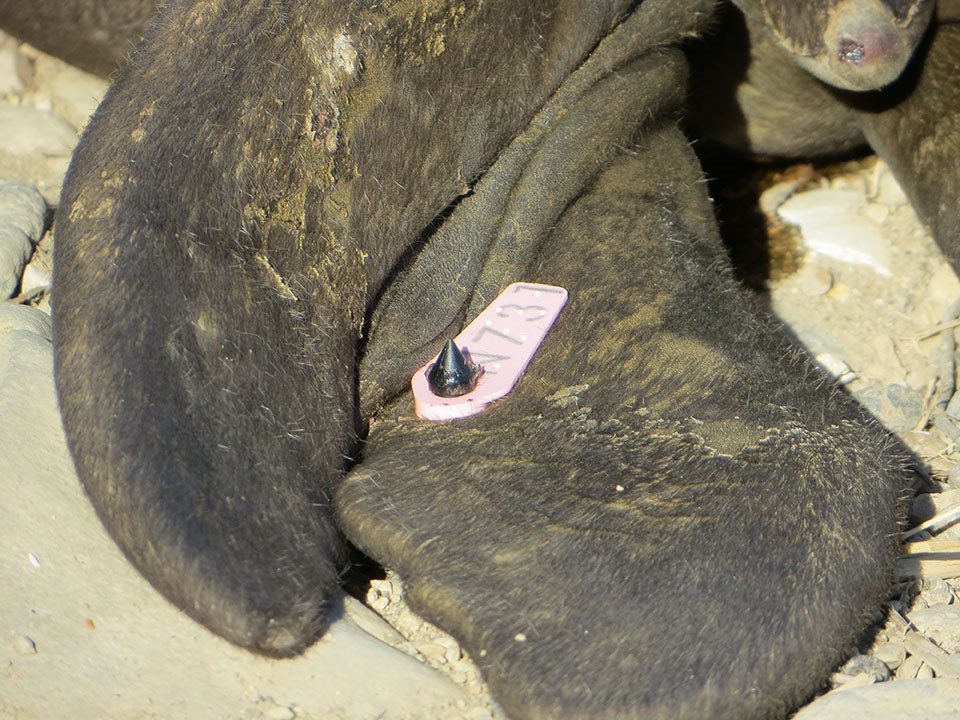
73	94
891	654
895	700
22	214
10	81
15	251
36	148
15	317
26	130
896	406
888	191
33	279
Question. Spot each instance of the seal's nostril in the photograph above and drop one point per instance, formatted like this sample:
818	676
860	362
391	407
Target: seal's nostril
850	51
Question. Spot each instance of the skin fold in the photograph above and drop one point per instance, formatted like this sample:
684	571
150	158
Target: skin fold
282	208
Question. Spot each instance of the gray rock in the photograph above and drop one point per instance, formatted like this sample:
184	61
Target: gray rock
22	212
74	94
940	623
861	669
897	700
36	147
897	406
10	81
19	318
27	130
834	224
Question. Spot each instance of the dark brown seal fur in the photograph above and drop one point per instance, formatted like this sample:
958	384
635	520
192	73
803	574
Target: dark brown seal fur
281	206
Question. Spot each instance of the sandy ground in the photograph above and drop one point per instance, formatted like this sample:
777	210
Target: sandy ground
84	636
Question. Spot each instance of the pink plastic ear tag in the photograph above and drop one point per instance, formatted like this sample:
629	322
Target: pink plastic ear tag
502	339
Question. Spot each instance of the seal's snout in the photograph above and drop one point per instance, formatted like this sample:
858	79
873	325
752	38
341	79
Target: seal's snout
870	42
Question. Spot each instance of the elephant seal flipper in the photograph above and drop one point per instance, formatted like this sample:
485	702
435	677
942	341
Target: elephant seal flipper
656	522
234	206
176	358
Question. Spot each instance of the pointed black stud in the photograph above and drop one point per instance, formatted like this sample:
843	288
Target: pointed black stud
451	375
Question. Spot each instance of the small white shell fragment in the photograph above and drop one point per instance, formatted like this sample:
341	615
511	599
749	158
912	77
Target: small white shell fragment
834	223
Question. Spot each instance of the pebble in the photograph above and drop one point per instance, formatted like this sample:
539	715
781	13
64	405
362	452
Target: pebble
774	196
935	592
432	651
408	621
887	190
35	279
836	367
861	670
941	623
896	405
891	654
909	668
371	622
876	213
815	280
908	700
452	651
27	130
22	215
280	713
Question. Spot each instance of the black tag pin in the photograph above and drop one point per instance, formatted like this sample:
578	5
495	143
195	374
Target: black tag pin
451	375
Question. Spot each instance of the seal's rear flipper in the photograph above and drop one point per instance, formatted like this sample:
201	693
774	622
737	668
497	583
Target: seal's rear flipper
252	177
673	515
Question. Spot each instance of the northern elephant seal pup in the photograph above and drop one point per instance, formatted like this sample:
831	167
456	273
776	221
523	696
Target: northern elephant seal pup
243	279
